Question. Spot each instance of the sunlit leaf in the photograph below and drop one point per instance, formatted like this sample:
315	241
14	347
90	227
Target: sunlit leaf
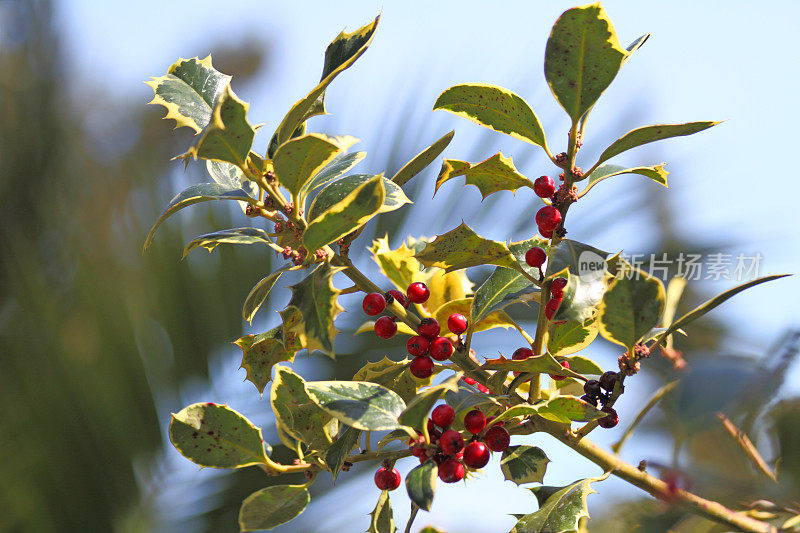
295	411
492	175
258	294
571	336
632	305
567	409
381	518
337	190
272	506
399	265
544	363
421	484
209	241
417	410
316	299
297	161
648	134
260	353
463	248
332	170
360	404
495	319
421	160
655	173
394	375
524	464
560	509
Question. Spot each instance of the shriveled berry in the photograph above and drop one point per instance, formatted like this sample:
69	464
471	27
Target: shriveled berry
592	388
451	471
558	377
418	292
441	348
429	328
610	420
451	442
548	218
551	308
443	415
385	327
421	367
433	433
557	287
497	438
475	421
608	379
535	257
374	303
386	479
476	454
417	345
457	323
400	297
544	187
521	354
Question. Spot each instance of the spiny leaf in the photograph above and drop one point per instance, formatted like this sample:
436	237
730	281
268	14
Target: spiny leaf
446	287
524	464
560	508
394	375
338	189
571	336
260	353
360	404
294	332
346	215
632	305
295	411
582	57
463	248
216	436
341	448
298	160
190	91
417	410
648	134
399	265
316	299
655	173
272	506
421	160
497	173
382	520
544	363
494	107
421	484
209	241
258	294
332	170
202	192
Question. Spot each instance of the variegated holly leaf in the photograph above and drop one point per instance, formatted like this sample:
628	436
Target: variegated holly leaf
315	298
209	241
544	363
272	506
648	134
571	336
258	294
294	332
296	413
381	518
421	484
262	352
495	319
524	464
189	91
467	398
421	160
369	327
417	409
337	453
560	508
337	190
566	409
656	173
399	265
232	177
463	248
446	287
502	288
583	365
360	404
331	171
216	436
394	375
586	271
497	173
298	160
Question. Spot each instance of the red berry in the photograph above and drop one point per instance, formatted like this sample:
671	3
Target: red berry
491	419
374	303
565	364
443	415
544	187
474	421
451	471
546	233
429	328
557	287
418	292
468	380
385	327
421	367
386	479
400	297
497	438
451	442
441	348
535	257
551	308
417	345
521	354
476	455
483	388
610	420
457	323
548	218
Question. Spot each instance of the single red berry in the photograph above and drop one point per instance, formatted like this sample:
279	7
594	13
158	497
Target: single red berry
451	471
546	233
385	327
429	328
475	421
441	348
386	479
521	354
610	420
418	292
468	380
544	187
421	367
457	323
476	454
417	345
551	308
592	388
608	379
483	388
548	218
433	433
400	297
451	442
443	415
535	257
557	287
374	303
565	364
497	438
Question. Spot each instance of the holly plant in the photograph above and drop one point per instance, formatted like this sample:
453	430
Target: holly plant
444	405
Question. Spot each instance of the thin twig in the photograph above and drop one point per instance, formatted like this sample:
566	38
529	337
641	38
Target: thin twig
747	446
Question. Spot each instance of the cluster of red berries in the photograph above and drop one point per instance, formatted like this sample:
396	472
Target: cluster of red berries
520	354
548	218
594	393
535	257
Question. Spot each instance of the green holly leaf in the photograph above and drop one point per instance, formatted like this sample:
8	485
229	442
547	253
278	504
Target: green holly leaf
422	160
421	484
341	448
337	190
315	298
227	136
571	336
495	108
416	413
262	352
497	173
232	177
463	248
566	409
631	306
540	364
272	506
346	215
583	365
295	411
524	464
216	436
189	91
298	160
394	375
209	241
335	168
648	134
340	54
382	519
502	288
560	508
467	398
582	57
655	173
360	404
258	294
